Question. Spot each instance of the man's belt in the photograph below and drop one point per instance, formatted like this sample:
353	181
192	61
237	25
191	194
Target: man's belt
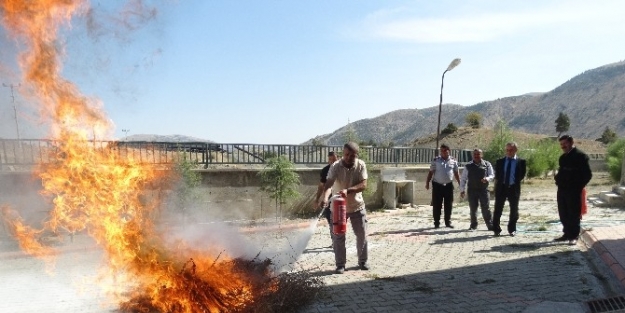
445	184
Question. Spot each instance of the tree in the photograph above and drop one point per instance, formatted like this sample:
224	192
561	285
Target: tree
497	147
370	143
541	156
279	181
350	134
186	182
562	123
608	136
317	142
474	120
450	129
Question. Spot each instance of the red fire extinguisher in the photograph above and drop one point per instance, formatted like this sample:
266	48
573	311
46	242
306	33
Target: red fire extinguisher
339	214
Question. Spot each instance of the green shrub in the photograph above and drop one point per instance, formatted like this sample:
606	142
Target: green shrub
280	181
450	129
541	156
474	120
615	159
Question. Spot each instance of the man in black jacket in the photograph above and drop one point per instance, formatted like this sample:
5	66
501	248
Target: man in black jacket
509	171
573	175
322	180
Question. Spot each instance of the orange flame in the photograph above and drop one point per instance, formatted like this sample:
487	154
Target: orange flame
107	196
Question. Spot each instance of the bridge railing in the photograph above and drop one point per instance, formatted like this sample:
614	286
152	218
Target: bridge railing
29	152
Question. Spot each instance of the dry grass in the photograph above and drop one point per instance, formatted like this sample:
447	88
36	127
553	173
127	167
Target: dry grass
469	138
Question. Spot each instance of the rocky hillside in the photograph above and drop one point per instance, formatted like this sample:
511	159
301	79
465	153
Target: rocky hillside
592	100
468	138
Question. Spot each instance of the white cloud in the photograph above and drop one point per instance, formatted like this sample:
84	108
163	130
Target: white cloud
392	24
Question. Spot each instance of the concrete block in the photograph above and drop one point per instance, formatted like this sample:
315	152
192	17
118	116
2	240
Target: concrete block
619	190
611	198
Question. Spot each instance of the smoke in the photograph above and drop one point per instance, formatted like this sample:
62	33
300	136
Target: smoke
114	43
214	227
105	47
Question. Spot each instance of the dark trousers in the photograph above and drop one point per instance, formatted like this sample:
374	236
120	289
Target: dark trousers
327	213
358	220
570	210
442	196
481	197
512	194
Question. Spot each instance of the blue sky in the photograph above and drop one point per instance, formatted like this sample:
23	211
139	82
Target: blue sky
283	72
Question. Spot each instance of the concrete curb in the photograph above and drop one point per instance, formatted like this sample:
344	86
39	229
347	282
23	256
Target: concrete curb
591	241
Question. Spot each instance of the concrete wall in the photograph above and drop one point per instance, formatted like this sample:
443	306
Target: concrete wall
240	189
229	193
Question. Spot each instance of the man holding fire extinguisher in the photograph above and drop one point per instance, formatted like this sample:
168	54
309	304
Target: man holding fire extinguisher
350	176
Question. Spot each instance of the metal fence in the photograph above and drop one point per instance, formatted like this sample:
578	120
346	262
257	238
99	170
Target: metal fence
30	152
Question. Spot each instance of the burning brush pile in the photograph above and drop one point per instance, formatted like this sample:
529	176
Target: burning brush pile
109	197
228	286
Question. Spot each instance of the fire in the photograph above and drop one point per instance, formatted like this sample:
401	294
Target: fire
109	197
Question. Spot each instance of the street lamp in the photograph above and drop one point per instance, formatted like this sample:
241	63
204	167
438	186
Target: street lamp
17	127
451	66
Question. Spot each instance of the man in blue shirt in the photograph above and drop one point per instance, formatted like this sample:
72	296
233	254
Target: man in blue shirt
509	171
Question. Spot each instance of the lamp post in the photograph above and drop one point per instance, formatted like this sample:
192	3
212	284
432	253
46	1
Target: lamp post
17	127
451	66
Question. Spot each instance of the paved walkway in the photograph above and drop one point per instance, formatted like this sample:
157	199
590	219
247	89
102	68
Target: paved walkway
415	268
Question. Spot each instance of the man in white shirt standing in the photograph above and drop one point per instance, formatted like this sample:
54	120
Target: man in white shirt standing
443	170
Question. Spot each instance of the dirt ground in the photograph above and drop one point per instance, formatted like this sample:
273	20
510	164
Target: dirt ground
544	189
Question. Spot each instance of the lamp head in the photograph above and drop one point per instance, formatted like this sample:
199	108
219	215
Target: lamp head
453	64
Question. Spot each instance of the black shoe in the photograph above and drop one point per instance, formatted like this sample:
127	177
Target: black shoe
472	228
572	242
513	233
563	238
436	226
449	225
497	233
340	270
490	227
363	266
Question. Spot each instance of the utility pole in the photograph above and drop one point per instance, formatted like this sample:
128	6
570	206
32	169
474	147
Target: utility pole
125	131
17	127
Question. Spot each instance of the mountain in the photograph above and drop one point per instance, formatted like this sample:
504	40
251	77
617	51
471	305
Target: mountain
592	100
163	138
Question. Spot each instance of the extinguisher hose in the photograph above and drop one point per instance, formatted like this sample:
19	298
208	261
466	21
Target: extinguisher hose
321	213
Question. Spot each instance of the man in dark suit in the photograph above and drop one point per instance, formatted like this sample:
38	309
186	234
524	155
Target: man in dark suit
509	171
573	175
